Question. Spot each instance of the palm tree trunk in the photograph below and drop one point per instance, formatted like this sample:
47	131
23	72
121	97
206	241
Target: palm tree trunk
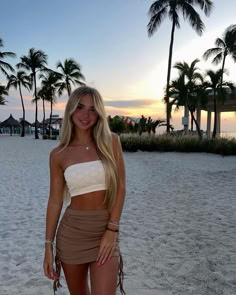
43	118
197	126
50	120
191	124
36	108
223	67
23	108
68	88
168	78
215	116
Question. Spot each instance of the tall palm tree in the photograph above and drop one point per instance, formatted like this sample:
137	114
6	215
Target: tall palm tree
171	8
35	61
17	81
216	84
3	92
48	92
4	65
224	46
71	75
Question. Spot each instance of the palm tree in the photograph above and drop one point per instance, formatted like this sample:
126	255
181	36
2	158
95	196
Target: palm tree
71	74
159	10
224	46
192	77
17	81
4	65
42	95
216	84
48	92
188	90
3	92
35	61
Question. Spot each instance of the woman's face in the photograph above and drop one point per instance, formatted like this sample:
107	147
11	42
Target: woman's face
85	116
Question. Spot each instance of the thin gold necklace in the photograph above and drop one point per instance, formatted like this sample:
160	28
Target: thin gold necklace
87	145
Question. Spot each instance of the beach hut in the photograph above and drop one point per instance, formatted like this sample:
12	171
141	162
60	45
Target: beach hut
11	123
27	126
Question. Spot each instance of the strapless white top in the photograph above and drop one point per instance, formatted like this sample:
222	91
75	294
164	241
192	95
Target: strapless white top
83	178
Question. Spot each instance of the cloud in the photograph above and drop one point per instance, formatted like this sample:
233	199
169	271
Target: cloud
133	103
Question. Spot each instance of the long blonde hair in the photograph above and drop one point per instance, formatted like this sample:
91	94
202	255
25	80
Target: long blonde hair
101	135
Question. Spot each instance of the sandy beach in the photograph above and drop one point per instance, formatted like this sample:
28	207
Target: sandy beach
178	228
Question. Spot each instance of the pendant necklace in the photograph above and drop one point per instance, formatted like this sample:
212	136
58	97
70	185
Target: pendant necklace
86	146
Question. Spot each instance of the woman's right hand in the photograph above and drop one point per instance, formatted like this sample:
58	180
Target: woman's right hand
48	264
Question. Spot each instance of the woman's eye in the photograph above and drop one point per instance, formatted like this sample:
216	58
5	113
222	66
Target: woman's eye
79	107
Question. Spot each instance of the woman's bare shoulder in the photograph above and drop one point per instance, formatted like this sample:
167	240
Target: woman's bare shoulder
57	154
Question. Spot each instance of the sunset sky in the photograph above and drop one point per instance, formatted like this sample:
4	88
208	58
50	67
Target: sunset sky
110	41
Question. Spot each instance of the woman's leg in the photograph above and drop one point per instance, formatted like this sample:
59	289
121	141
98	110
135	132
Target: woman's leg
77	278
103	278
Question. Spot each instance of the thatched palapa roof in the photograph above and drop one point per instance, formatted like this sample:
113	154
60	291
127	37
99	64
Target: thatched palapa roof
10	122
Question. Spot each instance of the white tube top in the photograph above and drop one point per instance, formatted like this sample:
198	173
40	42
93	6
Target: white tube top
84	177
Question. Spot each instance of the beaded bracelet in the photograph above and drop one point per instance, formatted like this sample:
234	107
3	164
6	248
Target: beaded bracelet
114	230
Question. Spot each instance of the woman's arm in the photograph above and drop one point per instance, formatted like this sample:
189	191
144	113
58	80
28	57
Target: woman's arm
108	242
55	201
121	189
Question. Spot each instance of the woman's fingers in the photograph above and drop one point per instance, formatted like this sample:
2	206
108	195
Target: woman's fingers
49	271
112	250
101	254
107	255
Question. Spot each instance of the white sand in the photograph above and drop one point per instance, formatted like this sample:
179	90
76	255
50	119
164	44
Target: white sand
178	228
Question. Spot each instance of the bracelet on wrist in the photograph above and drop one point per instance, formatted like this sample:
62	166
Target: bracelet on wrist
114	224
114	230
49	242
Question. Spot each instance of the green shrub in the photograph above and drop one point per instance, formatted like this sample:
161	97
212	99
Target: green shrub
168	143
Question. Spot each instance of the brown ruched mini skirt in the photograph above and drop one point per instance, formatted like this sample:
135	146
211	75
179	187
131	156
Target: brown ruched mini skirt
78	240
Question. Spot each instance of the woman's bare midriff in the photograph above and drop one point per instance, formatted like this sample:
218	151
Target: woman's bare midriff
89	201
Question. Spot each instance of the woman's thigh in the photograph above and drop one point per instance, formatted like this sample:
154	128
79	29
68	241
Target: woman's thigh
103	278
77	278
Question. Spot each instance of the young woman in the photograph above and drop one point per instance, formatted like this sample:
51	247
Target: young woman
87	170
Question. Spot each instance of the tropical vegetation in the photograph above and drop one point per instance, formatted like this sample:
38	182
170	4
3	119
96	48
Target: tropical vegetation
21	79
225	46
35	62
70	75
171	8
167	143
191	89
3	92
49	84
188	90
130	125
215	83
4	66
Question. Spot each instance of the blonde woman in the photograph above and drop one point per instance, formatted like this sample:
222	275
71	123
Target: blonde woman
87	171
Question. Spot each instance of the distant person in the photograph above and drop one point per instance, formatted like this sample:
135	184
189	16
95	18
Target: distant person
87	170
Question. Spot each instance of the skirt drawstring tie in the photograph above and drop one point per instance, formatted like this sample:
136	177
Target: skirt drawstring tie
121	276
56	283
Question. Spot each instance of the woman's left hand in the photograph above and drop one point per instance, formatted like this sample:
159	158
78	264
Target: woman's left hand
107	246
